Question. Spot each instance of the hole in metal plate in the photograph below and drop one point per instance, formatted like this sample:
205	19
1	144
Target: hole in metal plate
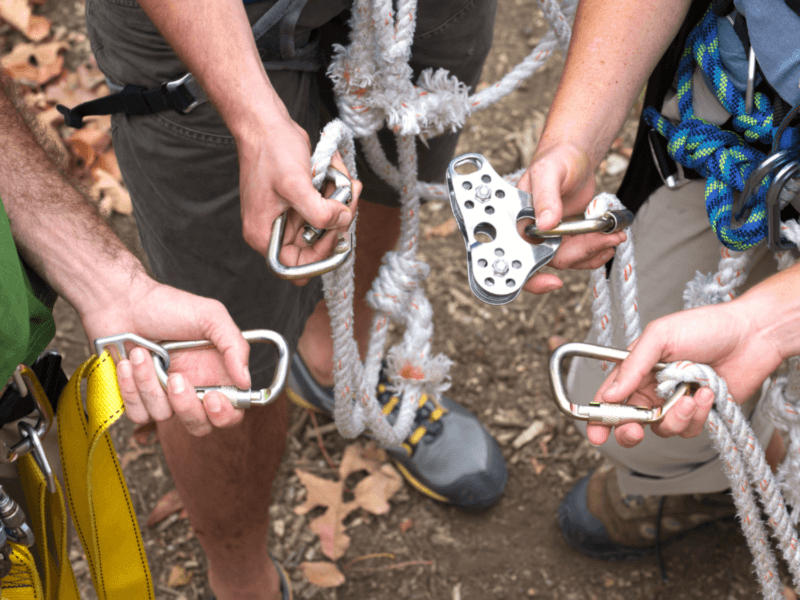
484	233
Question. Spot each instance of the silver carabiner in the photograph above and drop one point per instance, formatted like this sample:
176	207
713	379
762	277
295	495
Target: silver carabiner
342	251
772	162
28	385
604	413
119	342
773	202
238	398
609	222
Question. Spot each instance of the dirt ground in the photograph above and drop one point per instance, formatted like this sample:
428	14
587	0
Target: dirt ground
515	549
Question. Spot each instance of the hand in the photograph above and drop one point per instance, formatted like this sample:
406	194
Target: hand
275	176
561	180
722	336
158	312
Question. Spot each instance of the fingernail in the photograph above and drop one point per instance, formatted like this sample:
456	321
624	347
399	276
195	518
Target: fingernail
545	216
124	369
246	373
137	356
212	403
704	399
177	383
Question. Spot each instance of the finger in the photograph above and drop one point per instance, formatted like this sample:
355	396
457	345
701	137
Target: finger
629	434
704	399
317	211
153	396
597	434
542	283
638	365
580	248
544	180
130	393
187	406
678	419
220	411
217	326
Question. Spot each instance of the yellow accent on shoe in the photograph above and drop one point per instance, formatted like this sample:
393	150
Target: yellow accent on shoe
407	448
381	388
418	485
415	437
390	405
300	401
436	415
422	400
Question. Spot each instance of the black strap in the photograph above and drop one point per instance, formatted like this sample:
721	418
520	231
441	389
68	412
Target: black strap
49	373
132	100
794	5
138	100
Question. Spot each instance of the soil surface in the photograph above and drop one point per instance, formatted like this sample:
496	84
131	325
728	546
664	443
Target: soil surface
514	550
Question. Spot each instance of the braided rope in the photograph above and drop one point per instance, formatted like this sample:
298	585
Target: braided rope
724	158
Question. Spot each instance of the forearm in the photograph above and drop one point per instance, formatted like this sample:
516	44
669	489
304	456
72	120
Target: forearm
615	45
56	229
214	40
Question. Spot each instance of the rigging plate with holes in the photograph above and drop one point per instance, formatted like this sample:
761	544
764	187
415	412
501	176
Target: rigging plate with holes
486	209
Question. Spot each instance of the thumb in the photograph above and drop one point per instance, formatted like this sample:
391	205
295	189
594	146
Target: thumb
219	328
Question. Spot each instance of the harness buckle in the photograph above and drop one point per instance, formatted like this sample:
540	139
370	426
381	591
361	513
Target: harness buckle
191	88
671	173
342	251
602	412
486	209
238	398
28	384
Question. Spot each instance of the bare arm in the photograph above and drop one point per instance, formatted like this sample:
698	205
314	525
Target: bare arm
214	40
61	235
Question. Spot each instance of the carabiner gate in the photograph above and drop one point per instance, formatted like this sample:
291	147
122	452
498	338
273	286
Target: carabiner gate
238	398
342	251
603	412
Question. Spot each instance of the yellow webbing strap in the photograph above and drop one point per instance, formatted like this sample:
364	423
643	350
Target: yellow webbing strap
22	583
50	530
98	498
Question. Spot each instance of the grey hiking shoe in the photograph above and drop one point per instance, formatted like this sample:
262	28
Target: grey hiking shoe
449	455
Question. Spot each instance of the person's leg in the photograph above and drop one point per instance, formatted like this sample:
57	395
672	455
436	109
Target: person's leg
182	172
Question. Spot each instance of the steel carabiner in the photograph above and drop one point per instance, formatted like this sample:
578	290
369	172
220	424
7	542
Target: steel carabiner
342	251
788	171
238	398
603	412
609	222
119	340
28	385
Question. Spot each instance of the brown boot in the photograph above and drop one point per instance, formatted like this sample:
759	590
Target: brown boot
598	520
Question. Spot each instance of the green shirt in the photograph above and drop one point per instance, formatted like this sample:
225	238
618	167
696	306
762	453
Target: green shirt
26	318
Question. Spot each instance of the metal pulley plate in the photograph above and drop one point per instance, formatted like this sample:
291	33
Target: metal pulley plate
486	209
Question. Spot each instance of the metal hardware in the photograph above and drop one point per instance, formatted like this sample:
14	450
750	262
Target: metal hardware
342	251
28	384
13	519
29	431
343	193
774	161
749	95
487	209
238	398
119	342
602	412
193	88
671	173
607	223
5	554
773	202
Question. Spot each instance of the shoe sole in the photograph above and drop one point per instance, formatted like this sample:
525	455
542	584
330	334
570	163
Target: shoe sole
415	483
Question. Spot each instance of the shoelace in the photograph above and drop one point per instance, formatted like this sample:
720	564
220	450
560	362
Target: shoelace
427	421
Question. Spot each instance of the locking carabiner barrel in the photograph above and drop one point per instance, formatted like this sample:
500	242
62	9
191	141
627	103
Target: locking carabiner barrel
238	398
602	412
342	251
609	222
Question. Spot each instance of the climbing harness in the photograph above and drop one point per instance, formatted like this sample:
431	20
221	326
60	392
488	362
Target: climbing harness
341	193
238	398
601	412
487	207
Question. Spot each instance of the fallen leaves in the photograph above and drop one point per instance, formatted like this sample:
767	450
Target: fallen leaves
372	494
168	504
178	576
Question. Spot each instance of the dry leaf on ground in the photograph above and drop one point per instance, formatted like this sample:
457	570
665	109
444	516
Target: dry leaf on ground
322	574
34	64
168	504
178	576
16	13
